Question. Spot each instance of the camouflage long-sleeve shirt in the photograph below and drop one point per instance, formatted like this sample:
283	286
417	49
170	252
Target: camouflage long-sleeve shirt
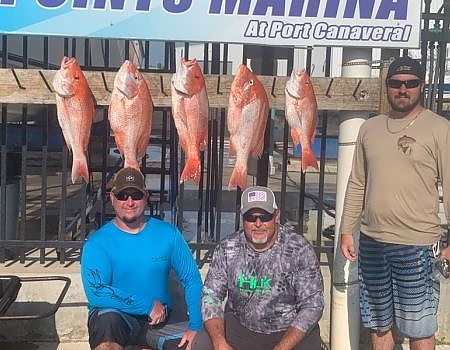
267	291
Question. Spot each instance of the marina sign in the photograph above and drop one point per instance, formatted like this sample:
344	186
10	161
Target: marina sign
367	23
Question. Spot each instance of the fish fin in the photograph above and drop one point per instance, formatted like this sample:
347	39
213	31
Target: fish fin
258	148
295	136
232	148
308	159
238	178
80	169
192	170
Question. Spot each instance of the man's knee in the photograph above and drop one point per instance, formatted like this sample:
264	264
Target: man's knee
108	329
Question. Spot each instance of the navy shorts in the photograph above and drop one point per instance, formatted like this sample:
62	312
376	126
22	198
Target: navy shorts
396	286
111	325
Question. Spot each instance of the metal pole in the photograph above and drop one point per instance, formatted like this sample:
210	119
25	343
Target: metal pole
345	305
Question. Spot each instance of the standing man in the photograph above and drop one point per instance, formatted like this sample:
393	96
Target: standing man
273	282
399	161
125	267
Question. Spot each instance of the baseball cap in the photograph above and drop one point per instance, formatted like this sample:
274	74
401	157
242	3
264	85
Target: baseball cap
406	65
128	178
258	197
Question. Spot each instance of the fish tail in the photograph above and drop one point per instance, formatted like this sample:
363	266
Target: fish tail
192	170
238	178
80	169
308	159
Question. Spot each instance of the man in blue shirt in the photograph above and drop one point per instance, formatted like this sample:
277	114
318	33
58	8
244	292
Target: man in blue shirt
124	269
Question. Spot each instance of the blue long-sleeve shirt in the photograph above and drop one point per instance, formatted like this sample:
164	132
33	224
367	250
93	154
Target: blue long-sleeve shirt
129	271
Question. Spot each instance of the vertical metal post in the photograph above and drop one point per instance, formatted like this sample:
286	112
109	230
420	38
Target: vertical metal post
345	308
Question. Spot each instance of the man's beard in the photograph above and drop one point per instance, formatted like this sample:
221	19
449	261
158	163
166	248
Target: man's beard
402	107
130	219
259	239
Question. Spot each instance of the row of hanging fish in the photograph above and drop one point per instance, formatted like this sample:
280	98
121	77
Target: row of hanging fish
131	110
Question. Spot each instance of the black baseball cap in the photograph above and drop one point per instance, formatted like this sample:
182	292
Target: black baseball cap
406	65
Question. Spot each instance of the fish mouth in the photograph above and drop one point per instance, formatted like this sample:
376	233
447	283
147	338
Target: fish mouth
291	94
126	92
178	91
65	95
67	62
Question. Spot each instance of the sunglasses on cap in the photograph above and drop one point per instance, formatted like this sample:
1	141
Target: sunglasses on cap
409	84
252	218
123	195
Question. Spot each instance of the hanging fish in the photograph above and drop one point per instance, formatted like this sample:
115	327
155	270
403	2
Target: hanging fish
190	113
301	114
247	118
75	109
130	114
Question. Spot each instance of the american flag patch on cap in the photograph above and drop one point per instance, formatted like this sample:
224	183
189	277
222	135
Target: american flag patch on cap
257	196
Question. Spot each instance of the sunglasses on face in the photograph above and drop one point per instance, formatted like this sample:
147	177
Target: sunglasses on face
123	195
252	218
409	84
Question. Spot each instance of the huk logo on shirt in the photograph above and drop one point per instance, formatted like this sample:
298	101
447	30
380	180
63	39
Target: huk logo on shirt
251	284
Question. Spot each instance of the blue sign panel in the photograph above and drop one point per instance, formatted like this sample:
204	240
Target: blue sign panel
374	23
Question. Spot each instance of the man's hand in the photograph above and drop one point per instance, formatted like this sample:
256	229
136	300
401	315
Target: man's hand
188	337
347	247
158	313
446	253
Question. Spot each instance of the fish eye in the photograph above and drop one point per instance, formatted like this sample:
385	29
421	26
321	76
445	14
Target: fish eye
251	82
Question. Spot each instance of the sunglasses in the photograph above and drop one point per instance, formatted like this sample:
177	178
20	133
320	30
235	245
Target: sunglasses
409	84
252	218
123	195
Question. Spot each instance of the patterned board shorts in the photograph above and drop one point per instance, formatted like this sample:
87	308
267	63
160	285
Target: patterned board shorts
396	285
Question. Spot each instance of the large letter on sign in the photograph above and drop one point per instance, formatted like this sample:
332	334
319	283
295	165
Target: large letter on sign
51	3
171	6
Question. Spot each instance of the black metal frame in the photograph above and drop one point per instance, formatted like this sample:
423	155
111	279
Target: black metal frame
14	283
75	225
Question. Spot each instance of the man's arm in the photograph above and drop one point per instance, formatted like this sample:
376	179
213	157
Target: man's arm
308	286
214	292
444	175
353	201
216	330
184	264
96	275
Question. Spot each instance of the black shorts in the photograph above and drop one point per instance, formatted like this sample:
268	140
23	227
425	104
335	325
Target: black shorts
111	325
241	338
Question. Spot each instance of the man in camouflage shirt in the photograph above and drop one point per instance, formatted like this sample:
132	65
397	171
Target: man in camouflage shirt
273	282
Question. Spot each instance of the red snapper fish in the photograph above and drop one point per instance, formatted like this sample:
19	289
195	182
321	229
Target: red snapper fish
190	113
130	114
301	114
247	118
75	109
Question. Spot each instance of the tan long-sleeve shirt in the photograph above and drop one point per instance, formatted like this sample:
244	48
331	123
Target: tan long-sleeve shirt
393	185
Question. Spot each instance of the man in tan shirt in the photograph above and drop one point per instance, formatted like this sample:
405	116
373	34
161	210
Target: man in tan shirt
393	188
